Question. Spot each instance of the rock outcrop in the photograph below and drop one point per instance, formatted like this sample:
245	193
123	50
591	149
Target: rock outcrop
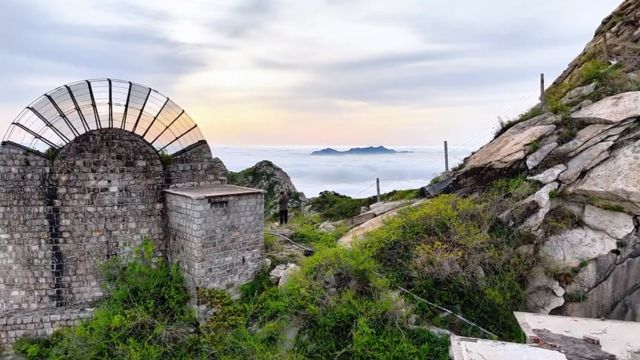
267	176
596	176
584	151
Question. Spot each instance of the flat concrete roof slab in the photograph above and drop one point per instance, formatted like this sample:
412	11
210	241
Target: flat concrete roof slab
464	348
619	338
212	191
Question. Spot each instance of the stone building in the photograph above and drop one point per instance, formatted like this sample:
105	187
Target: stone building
89	170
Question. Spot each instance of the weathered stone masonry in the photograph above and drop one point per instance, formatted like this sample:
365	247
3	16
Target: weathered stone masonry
100	197
216	232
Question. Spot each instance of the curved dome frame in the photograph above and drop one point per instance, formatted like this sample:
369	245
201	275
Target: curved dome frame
59	116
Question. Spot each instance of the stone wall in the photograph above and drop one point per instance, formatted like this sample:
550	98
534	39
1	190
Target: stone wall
194	166
107	199
39	323
217	239
25	252
100	197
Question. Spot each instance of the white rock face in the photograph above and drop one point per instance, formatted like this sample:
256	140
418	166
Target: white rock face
584	161
287	273
610	134
612	297
550	175
542	198
568	249
543	293
582	137
326	227
616	179
585	280
612	109
508	148
276	274
615	224
534	159
578	93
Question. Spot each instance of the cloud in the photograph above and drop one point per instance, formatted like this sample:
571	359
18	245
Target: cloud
285	69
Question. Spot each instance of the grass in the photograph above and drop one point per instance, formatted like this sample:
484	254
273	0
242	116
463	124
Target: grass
334	206
145	315
605	204
452	251
343	309
560	219
613	207
341	304
535	146
504	125
399	195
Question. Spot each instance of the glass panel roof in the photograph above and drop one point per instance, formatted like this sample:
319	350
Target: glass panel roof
57	117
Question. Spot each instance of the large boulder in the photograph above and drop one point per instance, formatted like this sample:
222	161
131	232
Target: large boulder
585	160
615	224
617	179
219	167
570	248
612	109
543	293
542	199
508	148
271	178
579	93
550	175
615	297
536	158
581	138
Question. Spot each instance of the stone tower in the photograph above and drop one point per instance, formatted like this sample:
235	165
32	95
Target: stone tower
88	171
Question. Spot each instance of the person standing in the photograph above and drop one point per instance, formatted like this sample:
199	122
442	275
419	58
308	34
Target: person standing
283	206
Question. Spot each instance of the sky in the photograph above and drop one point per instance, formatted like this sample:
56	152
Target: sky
305	72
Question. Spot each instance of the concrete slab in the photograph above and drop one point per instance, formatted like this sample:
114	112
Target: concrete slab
619	338
211	191
463	348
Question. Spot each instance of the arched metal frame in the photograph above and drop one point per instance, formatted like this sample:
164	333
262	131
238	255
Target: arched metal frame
57	117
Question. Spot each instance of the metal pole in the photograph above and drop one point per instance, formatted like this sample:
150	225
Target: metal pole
446	156
542	89
605	47
378	188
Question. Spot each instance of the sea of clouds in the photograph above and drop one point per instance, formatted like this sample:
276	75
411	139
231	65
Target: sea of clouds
353	175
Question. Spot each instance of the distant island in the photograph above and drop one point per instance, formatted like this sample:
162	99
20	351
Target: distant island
370	150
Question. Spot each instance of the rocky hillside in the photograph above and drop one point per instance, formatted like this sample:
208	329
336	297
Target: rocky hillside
267	176
582	145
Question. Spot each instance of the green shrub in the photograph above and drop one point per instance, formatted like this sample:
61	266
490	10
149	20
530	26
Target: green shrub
334	206
165	158
309	234
51	153
613	207
342	306
32	348
560	219
452	251
398	195
144	315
